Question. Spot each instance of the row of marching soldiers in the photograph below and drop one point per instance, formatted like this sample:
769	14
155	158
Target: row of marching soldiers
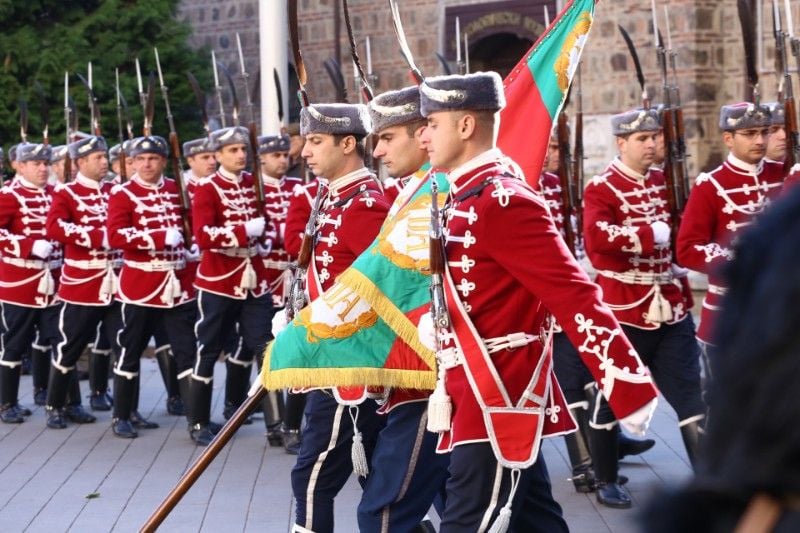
94	261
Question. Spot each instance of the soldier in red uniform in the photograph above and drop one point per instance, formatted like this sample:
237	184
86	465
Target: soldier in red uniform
627	230
406	473
77	220
776	142
724	202
29	266
144	221
508	269
231	279
352	212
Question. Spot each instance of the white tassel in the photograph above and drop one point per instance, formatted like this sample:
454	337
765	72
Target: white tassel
109	284
503	521
357	453
440	409
249	280
659	310
46	284
168	294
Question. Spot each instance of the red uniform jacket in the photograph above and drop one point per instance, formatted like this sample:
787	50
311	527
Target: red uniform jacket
230	264
619	207
550	187
350	219
77	220
392	188
25	279
721	205
139	214
277	194
300	205
510	267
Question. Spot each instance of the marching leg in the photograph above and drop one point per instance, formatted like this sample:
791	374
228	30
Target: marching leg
605	451
124	394
200	400
295	404
74	411
56	398
9	390
692	434
40	371
99	365
169	373
237	382
137	419
579	455
273	407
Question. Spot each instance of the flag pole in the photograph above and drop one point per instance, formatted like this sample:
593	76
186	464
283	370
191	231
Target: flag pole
203	461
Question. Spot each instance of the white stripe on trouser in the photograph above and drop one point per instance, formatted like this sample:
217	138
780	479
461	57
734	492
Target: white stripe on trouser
691	419
498	479
3	362
124	350
201	315
312	480
60	346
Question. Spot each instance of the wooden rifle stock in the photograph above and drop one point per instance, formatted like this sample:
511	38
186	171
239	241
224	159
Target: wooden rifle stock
792	135
123	165
577	176
178	175
258	184
297	297
565	179
437	259
680	134
670	175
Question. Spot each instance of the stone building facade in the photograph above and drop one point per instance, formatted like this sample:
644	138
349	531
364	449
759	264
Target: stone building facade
704	33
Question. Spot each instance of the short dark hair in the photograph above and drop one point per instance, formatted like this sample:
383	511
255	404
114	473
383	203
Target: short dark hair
412	127
361	148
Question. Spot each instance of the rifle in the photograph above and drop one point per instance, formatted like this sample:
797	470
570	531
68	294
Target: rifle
67	123
334	71
790	111
405	51
677	109
232	87
94	111
23	120
200	96
439	313
175	151
253	133
297	296
45	112
123	170
577	161
565	178
218	89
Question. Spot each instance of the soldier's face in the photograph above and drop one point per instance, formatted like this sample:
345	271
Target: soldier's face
443	139
776	144
202	165
232	157
324	157
400	152
749	145
149	167
661	149
94	166
57	169
35	172
553	155
637	150
274	164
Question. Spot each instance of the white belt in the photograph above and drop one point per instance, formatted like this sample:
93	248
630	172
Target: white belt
276	265
718	290
636	277
33	263
237	252
157	265
89	264
452	357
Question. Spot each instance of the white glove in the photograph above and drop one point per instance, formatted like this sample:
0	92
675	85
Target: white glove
427	332
42	248
637	422
255	227
264	249
193	253
678	271
106	244
279	322
173	237
661	232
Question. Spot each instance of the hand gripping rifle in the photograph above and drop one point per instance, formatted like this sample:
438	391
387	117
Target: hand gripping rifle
782	63
252	129
175	152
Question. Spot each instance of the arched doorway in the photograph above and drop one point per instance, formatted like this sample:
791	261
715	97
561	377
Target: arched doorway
499	52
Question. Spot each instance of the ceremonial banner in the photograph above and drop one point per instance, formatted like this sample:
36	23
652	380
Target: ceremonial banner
363	330
536	87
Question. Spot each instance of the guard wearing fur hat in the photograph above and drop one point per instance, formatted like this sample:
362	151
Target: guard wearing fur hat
508	269
627	232
725	201
144	221
406	473
352	212
776	142
29	270
231	279
77	220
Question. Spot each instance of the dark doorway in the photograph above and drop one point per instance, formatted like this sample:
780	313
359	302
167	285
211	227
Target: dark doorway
499	52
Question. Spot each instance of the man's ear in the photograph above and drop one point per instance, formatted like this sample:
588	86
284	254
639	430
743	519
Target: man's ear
348	144
466	126
727	138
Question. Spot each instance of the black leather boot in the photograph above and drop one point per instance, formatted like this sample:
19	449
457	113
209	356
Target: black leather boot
137	419
9	390
610	492
273	407
124	390
74	411
692	433
237	382
57	387
40	373
99	364
200	400
169	374
579	455
629	446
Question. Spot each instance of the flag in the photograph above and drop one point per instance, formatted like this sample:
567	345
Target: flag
363	329
537	86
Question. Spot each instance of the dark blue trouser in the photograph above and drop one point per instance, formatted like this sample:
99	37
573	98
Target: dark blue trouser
324	463
571	372
474	499
406	473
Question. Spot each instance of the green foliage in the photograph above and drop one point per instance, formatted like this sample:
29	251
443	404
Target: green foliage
41	39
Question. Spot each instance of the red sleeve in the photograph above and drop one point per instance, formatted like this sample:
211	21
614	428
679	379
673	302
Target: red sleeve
696	247
208	232
61	228
12	244
600	229
122	233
